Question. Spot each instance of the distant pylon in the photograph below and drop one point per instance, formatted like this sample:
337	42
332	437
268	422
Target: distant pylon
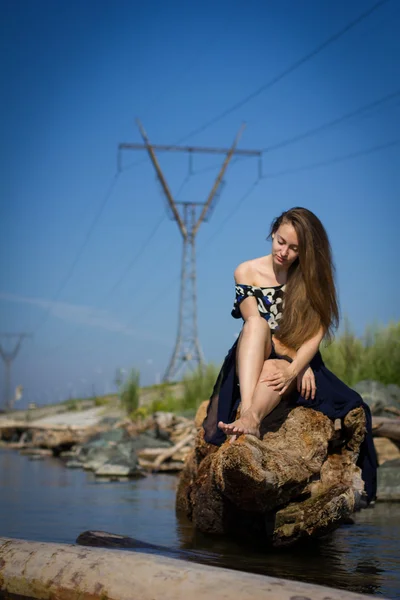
187	351
8	358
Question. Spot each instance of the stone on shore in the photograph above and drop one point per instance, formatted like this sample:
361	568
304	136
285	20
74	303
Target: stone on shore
389	481
383	400
299	481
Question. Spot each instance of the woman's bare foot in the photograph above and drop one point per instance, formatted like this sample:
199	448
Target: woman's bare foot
246	424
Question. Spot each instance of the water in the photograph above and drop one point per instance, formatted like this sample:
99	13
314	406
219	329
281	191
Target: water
44	501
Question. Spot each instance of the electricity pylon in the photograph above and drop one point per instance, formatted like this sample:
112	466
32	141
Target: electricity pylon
8	357
187	351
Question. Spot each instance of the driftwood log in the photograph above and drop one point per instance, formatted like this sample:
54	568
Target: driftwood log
40	571
299	480
386	427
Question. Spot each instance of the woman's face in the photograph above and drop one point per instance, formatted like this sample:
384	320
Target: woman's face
285	246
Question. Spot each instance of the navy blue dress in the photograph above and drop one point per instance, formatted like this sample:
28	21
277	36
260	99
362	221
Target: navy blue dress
333	397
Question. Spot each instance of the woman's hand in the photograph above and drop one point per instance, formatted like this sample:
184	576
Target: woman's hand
306	383
280	378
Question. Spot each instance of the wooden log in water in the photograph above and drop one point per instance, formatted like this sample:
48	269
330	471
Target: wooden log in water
40	571
168	467
171	451
103	539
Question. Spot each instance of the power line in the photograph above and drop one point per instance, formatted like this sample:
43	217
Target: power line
183	184
247	194
331	123
172	282
127	269
189	216
298	137
144	285
334	160
311	166
235	208
81	249
135	259
331	39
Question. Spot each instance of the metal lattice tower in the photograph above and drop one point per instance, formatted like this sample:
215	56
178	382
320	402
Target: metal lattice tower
187	351
8	357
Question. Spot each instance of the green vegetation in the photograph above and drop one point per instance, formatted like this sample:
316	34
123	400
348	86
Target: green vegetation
183	398
376	356
197	386
130	392
102	400
72	404
165	402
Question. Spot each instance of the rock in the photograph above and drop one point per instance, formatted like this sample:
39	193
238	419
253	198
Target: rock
104	438
386	449
299	480
36	452
315	516
379	397
149	439
73	464
54	439
201	414
121	455
164	419
112	453
111	470
68	454
389	481
109	421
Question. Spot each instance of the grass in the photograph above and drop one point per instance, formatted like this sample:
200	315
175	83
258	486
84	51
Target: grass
197	386
375	356
130	392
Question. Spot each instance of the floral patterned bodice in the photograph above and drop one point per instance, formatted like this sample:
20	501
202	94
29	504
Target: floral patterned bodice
269	300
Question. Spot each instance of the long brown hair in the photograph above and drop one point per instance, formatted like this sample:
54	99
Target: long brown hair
310	293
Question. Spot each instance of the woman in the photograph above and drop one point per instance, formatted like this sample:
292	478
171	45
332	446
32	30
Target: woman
288	303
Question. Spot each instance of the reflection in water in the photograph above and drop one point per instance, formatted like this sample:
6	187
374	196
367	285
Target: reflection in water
42	500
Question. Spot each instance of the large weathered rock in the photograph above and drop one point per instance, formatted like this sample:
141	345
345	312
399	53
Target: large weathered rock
299	480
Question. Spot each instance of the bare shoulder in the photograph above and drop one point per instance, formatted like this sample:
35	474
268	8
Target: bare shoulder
244	273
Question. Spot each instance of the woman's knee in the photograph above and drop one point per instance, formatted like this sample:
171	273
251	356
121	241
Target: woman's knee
269	367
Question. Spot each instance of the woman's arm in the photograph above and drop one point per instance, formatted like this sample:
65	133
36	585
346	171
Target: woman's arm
282	378
248	307
306	352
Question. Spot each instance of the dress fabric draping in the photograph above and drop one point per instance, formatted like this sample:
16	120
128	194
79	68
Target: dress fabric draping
333	397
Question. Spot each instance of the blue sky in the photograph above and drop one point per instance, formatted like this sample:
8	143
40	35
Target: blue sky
75	76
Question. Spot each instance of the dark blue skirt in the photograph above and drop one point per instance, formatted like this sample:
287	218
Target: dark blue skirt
333	398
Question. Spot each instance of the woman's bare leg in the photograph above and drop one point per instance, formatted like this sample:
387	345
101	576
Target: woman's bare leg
265	399
254	347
